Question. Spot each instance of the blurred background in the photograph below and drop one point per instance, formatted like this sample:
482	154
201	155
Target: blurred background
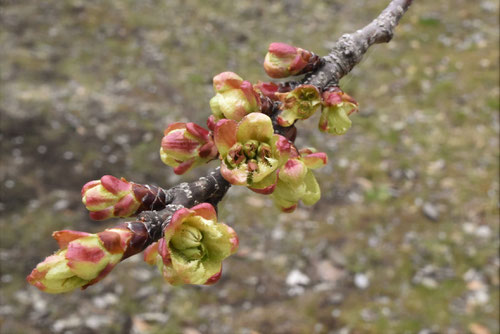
404	239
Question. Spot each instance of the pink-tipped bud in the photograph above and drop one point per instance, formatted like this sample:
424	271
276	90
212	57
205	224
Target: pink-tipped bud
283	60
109	197
83	259
186	145
234	97
337	106
193	247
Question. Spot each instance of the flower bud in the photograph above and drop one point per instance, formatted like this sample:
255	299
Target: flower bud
186	145
110	197
283	60
296	182
250	151
337	106
300	103
234	97
193	247
83	259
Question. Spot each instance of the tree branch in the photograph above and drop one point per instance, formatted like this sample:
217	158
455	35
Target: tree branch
346	53
350	48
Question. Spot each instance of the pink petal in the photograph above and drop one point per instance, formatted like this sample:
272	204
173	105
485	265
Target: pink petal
264	191
101	275
111	241
211	122
225	135
177	219
289	209
184	166
267	89
89	185
150	253
315	160
174	126
35	277
64	237
205	210
235	242
115	185
176	141
164	252
214	278
233	176
282	49
79	253
102	214
208	150
197	131
227	80
126	206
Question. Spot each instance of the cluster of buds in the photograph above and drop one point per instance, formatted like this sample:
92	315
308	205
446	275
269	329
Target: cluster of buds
186	145
337	106
83	259
193	247
242	135
235	97
283	60
250	151
296	180
111	197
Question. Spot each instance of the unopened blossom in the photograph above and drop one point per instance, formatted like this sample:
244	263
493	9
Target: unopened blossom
250	151
296	181
110	197
186	145
193	247
83	259
234	97
283	60
337	106
300	103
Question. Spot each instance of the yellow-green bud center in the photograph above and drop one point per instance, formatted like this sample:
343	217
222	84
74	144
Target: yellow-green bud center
187	240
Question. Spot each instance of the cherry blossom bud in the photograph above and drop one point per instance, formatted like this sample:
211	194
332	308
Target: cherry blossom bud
283	60
193	247
337	106
83	259
250	151
296	182
110	197
300	103
186	145
234	97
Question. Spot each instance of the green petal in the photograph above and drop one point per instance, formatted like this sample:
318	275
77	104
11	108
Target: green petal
256	126
215	106
313	191
334	120
63	285
265	168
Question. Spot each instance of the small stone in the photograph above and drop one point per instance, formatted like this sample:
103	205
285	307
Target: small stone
328	272
430	212
296	277
483	231
361	281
